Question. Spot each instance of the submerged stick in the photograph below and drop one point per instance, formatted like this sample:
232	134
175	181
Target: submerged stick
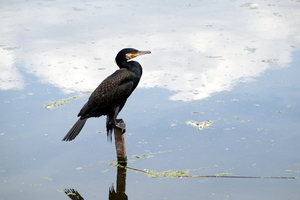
226	176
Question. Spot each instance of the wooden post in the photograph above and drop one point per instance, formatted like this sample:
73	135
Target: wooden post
120	146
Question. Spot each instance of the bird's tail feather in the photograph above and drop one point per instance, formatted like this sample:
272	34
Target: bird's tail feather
109	128
75	130
109	135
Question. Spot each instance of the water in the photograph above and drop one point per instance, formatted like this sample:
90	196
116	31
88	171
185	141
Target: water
233	63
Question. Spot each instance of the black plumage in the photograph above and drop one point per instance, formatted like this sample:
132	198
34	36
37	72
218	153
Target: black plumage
111	95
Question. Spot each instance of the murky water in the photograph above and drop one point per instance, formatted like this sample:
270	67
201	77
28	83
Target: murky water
219	95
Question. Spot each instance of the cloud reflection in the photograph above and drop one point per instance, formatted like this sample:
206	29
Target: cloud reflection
198	48
10	77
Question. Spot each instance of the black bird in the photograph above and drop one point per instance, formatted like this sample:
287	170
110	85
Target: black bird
111	95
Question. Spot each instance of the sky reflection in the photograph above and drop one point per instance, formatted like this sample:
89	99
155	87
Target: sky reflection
198	47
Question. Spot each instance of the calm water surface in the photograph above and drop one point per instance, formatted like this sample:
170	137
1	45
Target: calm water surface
233	65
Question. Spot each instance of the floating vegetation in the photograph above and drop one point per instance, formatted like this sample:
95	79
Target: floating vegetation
164	174
198	112
223	174
250	5
200	125
149	155
251	50
213	56
238	118
79	169
277	81
228	129
269	61
86	92
167	174
11	48
173	125
48	178
77	9
143	155
58	103
185	174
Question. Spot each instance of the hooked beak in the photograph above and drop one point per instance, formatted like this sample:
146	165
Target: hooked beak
139	53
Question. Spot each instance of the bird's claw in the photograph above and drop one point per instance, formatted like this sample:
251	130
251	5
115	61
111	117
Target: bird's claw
121	124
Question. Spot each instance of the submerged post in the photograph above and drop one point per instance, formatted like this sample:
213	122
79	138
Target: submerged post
120	146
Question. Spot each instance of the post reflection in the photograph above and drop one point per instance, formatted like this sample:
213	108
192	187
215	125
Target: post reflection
113	194
119	193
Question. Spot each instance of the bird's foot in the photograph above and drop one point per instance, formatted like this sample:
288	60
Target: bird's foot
121	124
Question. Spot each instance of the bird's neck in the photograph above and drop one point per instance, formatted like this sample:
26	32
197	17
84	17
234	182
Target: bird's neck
132	66
122	63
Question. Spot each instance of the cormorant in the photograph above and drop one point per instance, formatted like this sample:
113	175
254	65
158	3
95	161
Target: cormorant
111	95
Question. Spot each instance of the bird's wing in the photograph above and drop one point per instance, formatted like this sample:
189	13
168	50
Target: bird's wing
112	91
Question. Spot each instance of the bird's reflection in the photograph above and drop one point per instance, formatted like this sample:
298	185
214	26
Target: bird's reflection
73	194
118	194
